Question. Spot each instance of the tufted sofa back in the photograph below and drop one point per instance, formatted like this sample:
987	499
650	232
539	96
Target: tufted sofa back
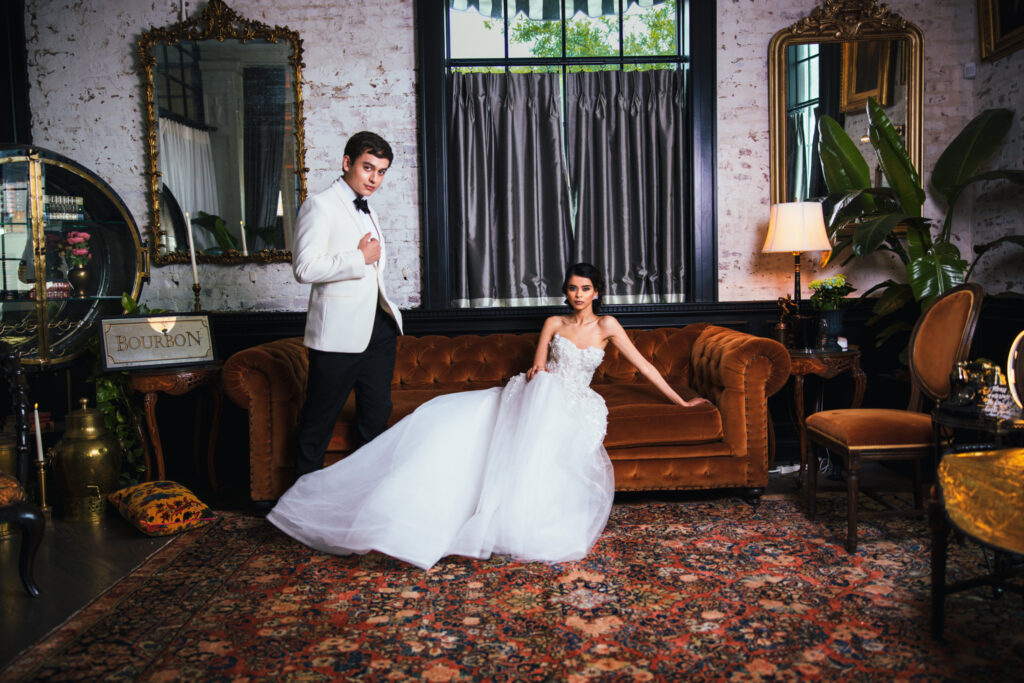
477	362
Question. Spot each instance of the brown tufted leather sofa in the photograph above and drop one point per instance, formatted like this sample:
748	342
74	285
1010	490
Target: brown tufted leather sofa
652	443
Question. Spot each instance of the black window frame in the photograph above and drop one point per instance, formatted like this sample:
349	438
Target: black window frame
701	266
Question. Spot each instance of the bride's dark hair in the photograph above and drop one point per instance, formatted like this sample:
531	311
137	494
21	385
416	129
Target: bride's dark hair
590	272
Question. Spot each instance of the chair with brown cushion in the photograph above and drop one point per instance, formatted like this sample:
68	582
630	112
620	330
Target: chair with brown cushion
15	507
941	338
979	494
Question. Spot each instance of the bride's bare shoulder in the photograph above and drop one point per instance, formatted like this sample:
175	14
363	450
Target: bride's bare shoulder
608	324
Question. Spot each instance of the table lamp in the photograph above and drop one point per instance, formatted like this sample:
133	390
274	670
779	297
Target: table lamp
796	227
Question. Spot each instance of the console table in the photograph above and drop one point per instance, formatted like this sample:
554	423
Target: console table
176	382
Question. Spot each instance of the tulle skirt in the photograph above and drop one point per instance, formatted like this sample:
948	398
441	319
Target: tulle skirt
518	470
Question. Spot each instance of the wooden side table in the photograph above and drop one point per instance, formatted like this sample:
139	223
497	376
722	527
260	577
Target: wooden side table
176	382
824	364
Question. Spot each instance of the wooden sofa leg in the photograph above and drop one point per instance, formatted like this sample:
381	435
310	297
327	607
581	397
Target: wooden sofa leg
752	496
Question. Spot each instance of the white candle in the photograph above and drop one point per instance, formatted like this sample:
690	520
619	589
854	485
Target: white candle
245	248
191	249
39	436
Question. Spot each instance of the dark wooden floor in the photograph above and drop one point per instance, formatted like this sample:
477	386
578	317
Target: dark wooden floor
76	562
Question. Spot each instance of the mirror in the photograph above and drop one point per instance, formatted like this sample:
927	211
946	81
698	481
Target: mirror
224	138
830	62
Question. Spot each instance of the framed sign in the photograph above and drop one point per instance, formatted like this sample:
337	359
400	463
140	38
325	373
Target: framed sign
156	341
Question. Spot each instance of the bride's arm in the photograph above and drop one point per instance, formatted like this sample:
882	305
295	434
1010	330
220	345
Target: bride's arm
540	356
617	335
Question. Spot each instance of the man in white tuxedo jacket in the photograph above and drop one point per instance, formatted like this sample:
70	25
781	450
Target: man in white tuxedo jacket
351	325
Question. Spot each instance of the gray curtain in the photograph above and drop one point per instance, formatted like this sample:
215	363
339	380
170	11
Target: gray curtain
629	157
510	212
264	97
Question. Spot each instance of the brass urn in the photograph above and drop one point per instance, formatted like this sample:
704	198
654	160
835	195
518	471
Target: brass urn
87	462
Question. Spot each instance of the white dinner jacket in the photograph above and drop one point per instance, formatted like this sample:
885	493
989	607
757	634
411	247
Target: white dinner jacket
345	293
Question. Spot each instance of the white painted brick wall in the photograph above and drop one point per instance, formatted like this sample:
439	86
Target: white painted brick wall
361	74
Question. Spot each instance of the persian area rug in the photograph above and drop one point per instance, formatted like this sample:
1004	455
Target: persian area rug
673	591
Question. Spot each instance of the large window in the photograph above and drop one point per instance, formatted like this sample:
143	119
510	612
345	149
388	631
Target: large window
562	131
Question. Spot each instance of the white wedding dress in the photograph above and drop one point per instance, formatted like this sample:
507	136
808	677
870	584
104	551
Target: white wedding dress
519	470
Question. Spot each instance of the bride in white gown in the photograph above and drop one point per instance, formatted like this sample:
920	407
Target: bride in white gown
517	470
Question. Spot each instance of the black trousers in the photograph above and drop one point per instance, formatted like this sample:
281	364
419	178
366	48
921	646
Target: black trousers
332	377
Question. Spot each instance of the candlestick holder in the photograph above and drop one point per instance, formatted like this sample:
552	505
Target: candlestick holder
195	289
41	470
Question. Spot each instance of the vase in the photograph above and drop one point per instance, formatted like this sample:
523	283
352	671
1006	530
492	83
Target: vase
79	277
831	328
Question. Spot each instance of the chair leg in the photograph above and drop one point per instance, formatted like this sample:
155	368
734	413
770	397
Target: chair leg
918	502
32	523
852	489
812	481
940	539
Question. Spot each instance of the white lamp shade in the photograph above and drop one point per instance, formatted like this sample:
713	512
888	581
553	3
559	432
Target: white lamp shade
796	227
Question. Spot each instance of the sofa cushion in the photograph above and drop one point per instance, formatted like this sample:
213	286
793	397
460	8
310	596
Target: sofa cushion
402	403
639	415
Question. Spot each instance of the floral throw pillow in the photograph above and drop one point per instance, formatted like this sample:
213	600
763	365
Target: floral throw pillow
10	490
159	508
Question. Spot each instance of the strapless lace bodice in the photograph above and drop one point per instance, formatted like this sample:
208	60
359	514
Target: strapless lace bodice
574	365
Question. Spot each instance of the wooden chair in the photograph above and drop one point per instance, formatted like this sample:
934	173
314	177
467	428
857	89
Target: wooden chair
14	505
941	338
980	495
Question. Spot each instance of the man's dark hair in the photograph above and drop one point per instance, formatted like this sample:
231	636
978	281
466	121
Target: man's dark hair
365	141
590	272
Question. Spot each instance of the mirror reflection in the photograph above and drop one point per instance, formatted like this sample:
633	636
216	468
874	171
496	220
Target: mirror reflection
225	139
226	144
836	79
830	63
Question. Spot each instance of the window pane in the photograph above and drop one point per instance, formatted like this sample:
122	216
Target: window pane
650	30
534	37
474	36
587	36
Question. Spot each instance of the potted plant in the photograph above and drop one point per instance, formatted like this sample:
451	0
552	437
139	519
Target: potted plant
865	219
77	256
828	298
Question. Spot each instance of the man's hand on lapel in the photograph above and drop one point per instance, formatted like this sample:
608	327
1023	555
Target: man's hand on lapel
370	248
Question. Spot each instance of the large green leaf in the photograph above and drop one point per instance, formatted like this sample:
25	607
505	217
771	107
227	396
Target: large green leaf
842	164
895	161
975	144
906	184
919	240
938	271
1014	176
872	233
894	297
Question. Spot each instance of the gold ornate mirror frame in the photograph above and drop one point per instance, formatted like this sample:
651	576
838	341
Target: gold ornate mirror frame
216	22
842	21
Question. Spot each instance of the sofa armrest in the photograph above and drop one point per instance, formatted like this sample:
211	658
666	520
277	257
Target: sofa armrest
738	372
269	381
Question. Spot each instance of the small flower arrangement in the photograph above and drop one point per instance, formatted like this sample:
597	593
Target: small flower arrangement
829	292
76	249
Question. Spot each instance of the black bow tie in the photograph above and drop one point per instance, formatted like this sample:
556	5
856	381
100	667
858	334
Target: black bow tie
361	204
